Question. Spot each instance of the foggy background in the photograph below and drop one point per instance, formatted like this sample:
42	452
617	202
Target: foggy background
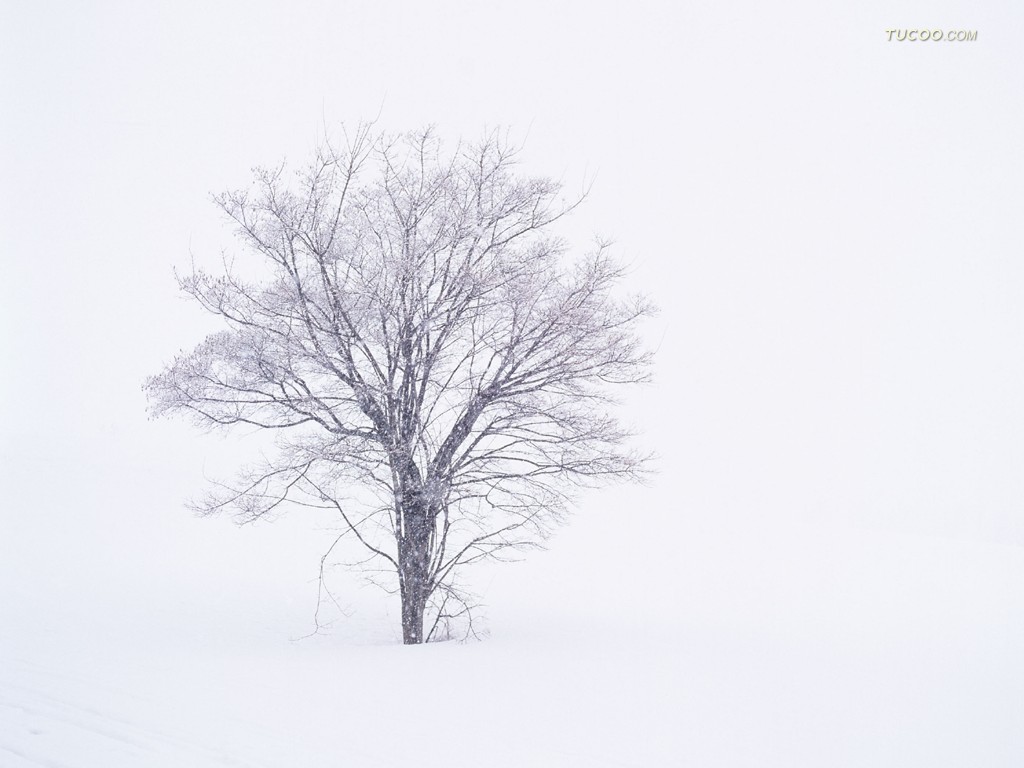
830	223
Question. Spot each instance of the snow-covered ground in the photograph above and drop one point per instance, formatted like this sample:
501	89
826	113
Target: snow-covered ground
707	648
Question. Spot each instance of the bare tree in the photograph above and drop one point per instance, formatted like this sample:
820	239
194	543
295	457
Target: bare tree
439	377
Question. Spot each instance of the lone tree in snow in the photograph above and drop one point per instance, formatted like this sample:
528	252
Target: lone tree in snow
438	376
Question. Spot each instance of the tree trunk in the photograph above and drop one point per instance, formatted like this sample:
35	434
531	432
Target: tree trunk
412	618
413	563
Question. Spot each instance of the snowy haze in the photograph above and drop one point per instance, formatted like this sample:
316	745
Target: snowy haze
827	569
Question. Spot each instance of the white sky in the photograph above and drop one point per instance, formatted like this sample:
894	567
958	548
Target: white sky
832	225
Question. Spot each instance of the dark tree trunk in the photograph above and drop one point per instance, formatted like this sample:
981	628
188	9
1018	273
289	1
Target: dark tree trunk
414	577
412	617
